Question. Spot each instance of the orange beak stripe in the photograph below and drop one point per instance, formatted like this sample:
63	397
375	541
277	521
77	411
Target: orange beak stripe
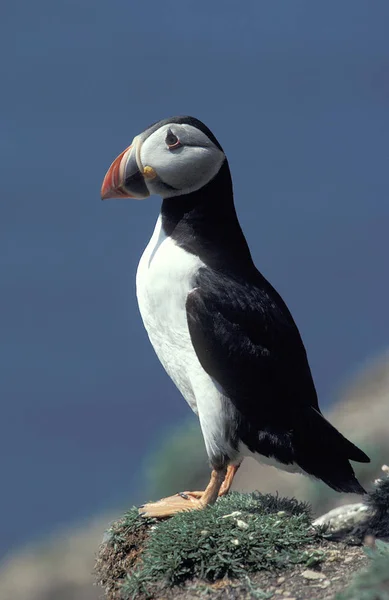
113	180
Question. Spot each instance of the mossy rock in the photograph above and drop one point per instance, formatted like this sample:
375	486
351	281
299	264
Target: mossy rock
240	535
241	548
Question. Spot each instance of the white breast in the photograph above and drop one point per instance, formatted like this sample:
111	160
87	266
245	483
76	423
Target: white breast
166	274
164	278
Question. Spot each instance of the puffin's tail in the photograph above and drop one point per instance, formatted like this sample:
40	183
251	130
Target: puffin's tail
322	451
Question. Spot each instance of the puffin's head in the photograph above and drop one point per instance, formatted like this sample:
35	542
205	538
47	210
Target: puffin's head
174	157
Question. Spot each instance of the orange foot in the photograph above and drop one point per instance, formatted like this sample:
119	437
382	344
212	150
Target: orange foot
172	505
219	485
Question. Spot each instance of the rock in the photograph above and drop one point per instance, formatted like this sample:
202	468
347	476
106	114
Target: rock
309	574
344	517
348	560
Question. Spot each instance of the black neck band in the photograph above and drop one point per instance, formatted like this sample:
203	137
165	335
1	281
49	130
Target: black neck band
205	223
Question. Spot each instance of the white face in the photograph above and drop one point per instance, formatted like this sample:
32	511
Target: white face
183	158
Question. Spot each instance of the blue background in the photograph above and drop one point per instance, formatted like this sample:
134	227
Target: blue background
298	95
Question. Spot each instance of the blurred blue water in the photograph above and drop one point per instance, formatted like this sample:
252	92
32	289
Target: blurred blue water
298	95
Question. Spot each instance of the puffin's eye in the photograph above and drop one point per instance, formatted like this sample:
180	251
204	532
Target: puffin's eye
172	140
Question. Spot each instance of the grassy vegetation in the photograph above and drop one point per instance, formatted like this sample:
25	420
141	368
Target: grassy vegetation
238	548
241	534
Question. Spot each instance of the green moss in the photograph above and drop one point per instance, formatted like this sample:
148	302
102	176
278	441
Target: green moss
239	535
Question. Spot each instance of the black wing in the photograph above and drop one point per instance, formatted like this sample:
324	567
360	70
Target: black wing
246	339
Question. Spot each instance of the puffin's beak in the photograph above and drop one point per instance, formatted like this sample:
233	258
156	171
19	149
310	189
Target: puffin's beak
123	178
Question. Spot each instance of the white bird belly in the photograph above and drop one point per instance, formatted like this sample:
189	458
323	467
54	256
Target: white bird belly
166	274
164	279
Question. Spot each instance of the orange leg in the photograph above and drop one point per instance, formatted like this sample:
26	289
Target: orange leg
186	501
229	478
225	486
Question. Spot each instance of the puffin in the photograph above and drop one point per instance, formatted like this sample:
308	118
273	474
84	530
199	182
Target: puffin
221	331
